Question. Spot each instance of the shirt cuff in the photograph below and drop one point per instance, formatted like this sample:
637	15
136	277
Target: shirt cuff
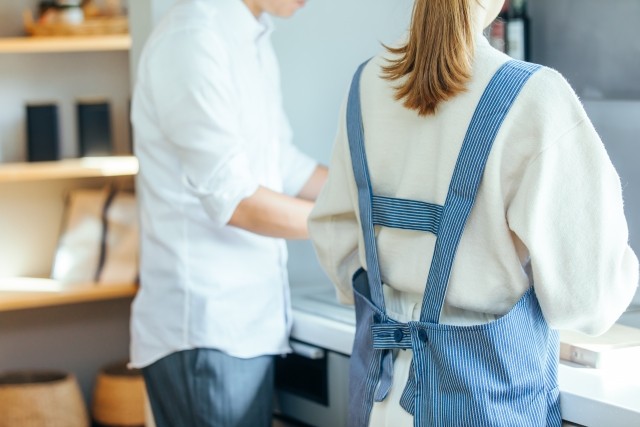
299	174
225	189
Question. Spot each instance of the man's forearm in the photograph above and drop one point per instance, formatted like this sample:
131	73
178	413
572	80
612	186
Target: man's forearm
314	184
273	214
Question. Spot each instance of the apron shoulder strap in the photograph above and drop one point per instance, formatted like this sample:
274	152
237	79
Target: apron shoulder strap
492	109
355	133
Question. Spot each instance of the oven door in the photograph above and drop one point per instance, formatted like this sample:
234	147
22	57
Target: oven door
312	387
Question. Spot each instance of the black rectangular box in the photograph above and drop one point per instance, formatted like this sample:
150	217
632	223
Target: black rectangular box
43	132
94	128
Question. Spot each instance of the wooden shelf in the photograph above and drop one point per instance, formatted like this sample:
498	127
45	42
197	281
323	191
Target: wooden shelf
116	42
86	167
26	293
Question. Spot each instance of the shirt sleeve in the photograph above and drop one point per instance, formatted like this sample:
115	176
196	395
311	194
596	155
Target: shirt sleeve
333	224
192	87
296	167
568	212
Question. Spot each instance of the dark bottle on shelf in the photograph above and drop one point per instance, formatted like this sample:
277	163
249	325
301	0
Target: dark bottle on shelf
517	30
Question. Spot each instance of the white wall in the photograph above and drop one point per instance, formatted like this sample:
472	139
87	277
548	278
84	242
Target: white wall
319	50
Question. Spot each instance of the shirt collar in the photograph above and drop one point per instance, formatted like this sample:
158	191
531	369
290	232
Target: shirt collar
243	25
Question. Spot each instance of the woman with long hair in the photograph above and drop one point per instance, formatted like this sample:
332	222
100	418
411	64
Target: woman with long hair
471	210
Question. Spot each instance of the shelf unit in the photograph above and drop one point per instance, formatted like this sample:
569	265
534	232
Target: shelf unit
117	42
85	167
24	292
77	327
27	293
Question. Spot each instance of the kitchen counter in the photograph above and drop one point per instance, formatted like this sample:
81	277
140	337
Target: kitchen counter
590	397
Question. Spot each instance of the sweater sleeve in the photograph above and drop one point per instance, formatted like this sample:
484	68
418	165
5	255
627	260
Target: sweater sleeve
568	212
333	224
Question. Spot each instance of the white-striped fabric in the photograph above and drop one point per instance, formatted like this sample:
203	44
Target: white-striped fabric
356	139
502	373
492	108
406	214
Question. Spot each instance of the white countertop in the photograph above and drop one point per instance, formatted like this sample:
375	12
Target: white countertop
590	397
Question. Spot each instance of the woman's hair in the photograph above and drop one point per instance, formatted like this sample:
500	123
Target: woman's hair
438	56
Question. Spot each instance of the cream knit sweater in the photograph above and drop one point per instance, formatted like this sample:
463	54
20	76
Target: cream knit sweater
549	210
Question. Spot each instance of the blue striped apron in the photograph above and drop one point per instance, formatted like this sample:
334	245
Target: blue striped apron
503	373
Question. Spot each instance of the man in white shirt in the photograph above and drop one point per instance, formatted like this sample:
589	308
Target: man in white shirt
220	185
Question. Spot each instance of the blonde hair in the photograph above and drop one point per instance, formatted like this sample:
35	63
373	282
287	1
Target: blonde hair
438	56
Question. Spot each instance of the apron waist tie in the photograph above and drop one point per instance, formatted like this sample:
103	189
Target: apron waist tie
387	337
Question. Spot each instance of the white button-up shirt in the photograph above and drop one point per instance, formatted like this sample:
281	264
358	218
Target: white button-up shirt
209	129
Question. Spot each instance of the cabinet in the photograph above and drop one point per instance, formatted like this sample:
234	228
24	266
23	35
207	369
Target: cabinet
60	70
32	220
43	325
33	193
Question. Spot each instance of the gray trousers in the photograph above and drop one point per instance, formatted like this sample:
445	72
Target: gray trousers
207	388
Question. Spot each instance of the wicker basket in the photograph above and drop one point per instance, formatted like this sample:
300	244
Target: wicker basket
99	25
119	397
41	398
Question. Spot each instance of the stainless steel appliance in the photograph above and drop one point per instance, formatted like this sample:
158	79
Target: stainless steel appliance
312	383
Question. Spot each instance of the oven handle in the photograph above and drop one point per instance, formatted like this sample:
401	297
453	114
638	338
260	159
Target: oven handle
306	350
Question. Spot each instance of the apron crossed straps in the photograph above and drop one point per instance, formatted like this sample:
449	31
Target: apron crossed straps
446	222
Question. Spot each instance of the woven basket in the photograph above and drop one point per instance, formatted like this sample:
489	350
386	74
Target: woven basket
41	399
119	397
